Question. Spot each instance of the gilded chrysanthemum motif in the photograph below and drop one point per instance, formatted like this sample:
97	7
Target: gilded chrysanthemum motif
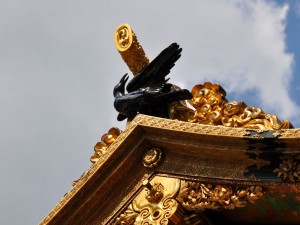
211	107
106	140
199	196
289	168
152	158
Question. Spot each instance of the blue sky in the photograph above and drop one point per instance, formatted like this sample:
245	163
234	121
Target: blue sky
293	45
59	64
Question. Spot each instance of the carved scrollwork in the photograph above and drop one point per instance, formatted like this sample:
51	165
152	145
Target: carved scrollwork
211	107
289	168
161	214
161	210
199	197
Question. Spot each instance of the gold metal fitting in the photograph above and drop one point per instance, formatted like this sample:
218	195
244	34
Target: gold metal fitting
155	192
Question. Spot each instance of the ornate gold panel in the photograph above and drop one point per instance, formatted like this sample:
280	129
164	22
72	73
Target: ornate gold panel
179	195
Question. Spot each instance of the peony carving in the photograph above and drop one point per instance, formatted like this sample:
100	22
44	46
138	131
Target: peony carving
211	107
199	197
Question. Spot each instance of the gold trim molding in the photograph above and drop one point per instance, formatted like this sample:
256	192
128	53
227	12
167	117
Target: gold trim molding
175	125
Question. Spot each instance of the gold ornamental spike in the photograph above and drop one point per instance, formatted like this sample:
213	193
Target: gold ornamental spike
130	49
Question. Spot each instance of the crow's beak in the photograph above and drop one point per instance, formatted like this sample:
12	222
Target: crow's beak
124	78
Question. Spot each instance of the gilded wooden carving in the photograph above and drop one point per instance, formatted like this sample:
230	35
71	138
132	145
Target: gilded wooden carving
167	211
152	158
192	196
150	208
211	107
199	196
289	168
106	140
128	217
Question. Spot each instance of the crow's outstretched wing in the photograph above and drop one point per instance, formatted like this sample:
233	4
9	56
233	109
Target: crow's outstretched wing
153	76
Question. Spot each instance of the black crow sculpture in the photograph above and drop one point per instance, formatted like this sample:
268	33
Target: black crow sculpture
148	92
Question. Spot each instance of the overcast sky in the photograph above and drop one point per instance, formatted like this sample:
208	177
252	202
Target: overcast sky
59	64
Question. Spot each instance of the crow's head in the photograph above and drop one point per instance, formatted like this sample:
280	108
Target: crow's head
120	87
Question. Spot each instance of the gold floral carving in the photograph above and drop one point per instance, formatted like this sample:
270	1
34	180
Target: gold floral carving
128	217
199	196
185	206
130	49
289	168
106	140
211	107
152	158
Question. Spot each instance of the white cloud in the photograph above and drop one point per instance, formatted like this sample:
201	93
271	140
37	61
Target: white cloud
242	45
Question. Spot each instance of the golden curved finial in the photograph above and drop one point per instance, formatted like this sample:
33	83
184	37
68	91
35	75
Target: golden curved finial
130	49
